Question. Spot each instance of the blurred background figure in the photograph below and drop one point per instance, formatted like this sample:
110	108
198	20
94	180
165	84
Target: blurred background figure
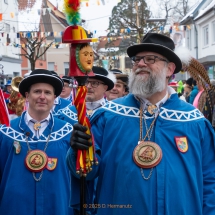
194	91
175	85
120	88
180	89
67	88
59	103
188	88
13	98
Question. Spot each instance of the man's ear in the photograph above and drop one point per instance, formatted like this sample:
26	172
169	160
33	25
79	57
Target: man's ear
105	87
171	68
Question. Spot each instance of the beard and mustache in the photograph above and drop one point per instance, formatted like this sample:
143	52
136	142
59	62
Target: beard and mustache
147	85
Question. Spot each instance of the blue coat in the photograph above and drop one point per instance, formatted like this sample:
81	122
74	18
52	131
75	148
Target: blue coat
20	194
62	103
183	183
193	94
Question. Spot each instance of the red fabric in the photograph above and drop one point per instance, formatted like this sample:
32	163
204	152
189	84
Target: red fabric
6	96
4	115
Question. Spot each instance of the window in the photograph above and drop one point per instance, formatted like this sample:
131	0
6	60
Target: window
205	36
7	28
128	63
213	27
51	66
66	67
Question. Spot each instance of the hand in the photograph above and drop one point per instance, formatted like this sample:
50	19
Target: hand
79	139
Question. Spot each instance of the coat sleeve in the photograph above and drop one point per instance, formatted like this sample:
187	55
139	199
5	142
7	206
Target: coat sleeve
208	169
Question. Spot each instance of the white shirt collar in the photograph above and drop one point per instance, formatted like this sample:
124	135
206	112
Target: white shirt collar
95	105
56	101
28	118
169	92
29	122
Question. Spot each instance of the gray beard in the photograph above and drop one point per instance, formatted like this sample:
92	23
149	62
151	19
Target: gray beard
145	87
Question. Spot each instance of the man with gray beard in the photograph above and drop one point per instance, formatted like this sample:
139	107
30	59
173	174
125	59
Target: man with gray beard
154	150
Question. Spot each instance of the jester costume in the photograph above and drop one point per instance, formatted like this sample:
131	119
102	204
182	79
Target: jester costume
20	193
183	183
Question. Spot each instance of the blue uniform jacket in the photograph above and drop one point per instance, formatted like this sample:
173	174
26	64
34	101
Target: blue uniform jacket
183	183
20	194
62	103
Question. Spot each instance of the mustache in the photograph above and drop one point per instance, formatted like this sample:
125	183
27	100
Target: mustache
142	70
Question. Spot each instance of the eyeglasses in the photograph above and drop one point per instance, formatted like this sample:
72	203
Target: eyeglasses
66	86
93	84
148	59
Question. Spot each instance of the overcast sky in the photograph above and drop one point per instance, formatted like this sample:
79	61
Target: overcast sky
98	16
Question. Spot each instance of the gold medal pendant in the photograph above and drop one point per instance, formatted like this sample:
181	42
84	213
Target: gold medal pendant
89	112
147	154
37	126
36	160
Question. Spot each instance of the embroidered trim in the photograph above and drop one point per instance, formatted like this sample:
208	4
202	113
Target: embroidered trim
180	115
56	135
173	115
70	114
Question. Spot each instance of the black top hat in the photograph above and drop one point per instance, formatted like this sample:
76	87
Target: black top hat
41	76
157	43
103	75
116	71
67	79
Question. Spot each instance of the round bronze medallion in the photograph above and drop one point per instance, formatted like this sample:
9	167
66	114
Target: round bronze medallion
36	160
147	154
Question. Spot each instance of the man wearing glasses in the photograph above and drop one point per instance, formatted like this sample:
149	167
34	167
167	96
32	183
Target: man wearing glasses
155	151
96	87
67	88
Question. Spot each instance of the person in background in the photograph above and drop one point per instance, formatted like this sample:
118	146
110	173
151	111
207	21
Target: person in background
153	148
188	88
175	85
10	101
59	103
194	92
96	87
120	88
33	171
67	88
180	89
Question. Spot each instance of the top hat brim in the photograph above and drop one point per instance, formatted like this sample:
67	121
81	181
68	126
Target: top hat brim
162	50
53	80
104	79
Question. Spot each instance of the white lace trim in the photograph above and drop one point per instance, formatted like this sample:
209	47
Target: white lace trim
56	135
173	115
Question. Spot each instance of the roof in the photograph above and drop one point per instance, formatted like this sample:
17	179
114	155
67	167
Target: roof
192	10
104	41
210	6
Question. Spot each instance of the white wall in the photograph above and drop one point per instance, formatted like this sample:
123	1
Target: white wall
11	61
209	49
